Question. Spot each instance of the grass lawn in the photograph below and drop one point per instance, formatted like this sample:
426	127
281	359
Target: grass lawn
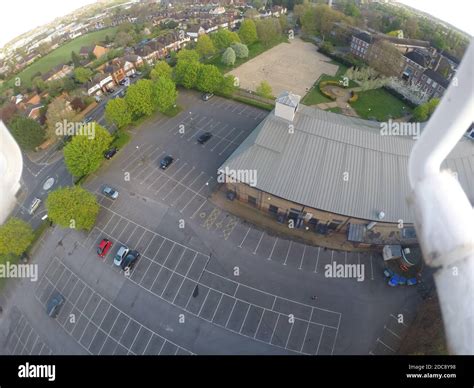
314	96
336	109
379	104
61	55
255	49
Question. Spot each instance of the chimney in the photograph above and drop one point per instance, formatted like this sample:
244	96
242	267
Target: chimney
286	105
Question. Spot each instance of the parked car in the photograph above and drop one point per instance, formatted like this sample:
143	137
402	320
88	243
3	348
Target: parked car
97	99
54	304
110	192
111	90
104	247
87	120
204	137
120	255
110	153
138	73
165	162
133	75
207	96
130	260
34	205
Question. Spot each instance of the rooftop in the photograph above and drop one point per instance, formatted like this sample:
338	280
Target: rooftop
308	166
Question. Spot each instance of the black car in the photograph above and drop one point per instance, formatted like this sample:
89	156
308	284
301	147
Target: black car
110	153
130	260
54	304
204	137
165	162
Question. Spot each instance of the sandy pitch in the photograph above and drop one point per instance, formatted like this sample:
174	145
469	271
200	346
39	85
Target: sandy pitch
287	67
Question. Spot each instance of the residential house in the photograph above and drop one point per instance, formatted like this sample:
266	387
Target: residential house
415	64
116	70
433	83
135	60
58	72
195	31
97	50
360	44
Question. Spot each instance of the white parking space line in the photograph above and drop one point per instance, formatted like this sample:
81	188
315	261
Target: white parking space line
371	268
197	210
246	234
320	337
259	241
288	252
271	253
302	257
317	261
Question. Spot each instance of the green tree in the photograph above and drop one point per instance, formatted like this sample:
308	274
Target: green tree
224	38
209	78
228	85
139	98
248	32
15	236
205	47
165	94
27	132
187	55
161	69
72	207
228	57
241	50
268	30
118	113
85	153
76	59
82	74
186	72
424	111
264	89
124	39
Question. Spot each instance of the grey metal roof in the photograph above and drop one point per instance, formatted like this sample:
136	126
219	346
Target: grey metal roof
308	166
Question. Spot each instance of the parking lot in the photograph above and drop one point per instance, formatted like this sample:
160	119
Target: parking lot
97	325
23	339
173	272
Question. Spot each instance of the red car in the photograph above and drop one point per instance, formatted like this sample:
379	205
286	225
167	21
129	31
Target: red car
104	247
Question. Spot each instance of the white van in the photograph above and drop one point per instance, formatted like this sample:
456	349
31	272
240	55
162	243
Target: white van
34	205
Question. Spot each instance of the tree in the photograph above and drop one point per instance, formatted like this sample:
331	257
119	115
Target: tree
187	55
268	30
228	85
82	74
161	69
204	46
76	59
58	111
84	153
385	58
15	236
248	32
224	38
241	50
424	111
78	104
123	39
72	207
139	98
209	78
165	94
118	113
27	132
39	84
186	72
264	90
228	58
8	111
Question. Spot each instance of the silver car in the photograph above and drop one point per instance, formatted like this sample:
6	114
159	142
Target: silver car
110	192
121	253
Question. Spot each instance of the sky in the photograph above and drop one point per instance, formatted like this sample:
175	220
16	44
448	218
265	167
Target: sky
20	16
